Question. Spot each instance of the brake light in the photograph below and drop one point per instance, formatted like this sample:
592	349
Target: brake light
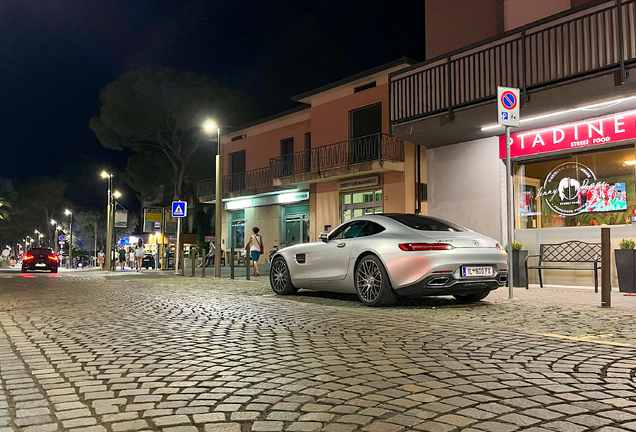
27	257
53	257
416	247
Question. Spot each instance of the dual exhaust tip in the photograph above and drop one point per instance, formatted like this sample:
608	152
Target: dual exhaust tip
444	280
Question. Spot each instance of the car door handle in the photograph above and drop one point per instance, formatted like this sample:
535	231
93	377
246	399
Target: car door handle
341	245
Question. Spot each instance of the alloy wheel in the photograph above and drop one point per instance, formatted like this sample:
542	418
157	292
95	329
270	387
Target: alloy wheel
369	280
279	276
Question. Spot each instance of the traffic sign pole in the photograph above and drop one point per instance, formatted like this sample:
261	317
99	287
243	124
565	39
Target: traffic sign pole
511	216
508	113
177	247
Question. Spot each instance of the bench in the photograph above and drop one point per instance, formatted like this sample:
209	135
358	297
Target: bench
567	252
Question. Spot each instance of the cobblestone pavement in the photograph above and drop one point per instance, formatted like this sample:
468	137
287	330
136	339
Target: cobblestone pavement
93	352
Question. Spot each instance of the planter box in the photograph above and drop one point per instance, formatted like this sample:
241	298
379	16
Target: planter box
519	267
626	268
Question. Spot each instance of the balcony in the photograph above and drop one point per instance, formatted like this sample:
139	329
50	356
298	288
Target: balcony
565	47
377	152
237	184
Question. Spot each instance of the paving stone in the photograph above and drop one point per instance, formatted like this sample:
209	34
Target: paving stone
267	426
304	427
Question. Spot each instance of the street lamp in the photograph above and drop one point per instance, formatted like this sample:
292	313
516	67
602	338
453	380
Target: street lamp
210	126
37	236
55	240
67	212
109	221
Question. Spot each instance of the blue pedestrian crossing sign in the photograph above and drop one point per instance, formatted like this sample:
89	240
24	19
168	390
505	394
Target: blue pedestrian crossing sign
179	209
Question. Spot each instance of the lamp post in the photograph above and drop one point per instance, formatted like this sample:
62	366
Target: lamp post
56	236
109	215
115	196
37	236
67	212
210	126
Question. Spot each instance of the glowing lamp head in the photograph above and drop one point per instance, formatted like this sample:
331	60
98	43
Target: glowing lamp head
117	194
105	175
210	126
53	222
67	212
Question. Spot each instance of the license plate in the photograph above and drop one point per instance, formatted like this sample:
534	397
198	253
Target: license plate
40	265
477	271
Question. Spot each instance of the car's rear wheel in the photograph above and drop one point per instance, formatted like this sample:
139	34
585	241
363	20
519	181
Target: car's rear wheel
372	283
279	278
472	298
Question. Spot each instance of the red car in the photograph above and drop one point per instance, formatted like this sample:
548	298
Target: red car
40	259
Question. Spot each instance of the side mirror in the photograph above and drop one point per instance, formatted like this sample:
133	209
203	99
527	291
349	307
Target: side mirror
324	236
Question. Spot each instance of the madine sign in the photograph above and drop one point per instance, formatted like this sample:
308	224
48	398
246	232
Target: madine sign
569	136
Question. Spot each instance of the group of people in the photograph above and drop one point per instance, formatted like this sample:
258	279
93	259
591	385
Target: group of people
131	257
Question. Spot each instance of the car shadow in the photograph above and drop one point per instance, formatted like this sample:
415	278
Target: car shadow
351	300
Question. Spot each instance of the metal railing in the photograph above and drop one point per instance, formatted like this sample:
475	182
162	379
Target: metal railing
564	47
358	150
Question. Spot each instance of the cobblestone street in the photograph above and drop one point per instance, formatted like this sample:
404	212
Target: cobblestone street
91	352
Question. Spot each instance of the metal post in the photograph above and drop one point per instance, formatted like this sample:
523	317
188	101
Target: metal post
510	211
621	44
247	265
193	256
606	264
204	262
95	262
218	209
177	248
231	263
70	243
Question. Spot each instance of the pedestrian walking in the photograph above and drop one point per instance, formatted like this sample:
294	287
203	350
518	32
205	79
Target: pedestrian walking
256	248
139	253
131	257
122	258
100	258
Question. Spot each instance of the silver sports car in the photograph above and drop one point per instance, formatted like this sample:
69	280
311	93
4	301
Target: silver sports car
384	256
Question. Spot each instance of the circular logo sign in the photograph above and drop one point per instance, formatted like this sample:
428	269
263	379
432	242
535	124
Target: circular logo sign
509	100
6	252
565	188
62	238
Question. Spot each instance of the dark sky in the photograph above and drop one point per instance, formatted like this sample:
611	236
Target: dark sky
58	54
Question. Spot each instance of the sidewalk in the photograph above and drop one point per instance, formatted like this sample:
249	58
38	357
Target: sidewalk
558	296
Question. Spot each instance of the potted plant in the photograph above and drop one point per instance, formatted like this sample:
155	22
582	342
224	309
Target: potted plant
518	264
626	265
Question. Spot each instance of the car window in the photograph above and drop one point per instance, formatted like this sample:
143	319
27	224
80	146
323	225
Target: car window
348	231
371	228
423	223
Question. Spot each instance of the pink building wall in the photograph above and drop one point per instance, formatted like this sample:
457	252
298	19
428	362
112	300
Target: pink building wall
330	120
518	13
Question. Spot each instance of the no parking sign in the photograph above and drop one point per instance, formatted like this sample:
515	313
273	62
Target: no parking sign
508	106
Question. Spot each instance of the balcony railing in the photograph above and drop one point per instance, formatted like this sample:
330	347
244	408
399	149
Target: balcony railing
376	147
238	182
565	47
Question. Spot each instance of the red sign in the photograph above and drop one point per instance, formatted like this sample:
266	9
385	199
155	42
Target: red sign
569	136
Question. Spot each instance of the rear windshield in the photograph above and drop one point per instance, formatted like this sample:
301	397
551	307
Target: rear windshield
423	223
41	251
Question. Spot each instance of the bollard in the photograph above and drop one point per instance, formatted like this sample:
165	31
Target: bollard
606	265
193	256
247	266
232	263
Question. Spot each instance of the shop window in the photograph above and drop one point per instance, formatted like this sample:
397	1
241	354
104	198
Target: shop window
584	189
237	171
360	204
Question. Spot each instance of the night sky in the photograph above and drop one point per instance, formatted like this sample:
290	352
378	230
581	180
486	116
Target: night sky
58	54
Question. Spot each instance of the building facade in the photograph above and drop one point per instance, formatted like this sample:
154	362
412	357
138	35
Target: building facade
574	153
308	170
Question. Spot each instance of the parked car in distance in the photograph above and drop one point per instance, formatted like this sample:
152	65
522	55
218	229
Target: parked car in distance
40	259
384	256
148	262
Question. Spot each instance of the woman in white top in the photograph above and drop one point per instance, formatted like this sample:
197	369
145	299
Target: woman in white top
255	245
139	253
131	258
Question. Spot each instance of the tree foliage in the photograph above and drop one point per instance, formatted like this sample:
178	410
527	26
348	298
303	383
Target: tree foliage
161	113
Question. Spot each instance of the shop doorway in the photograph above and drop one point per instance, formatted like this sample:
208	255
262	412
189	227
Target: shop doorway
236	238
357	204
295	225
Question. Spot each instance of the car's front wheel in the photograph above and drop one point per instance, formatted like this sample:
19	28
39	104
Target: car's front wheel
472	298
372	283
279	278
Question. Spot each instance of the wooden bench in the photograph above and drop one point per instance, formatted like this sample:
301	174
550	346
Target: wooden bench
567	252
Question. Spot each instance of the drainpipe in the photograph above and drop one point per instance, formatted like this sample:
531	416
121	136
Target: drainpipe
419	179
